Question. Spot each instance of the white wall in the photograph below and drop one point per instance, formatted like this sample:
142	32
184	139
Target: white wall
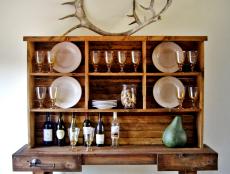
185	17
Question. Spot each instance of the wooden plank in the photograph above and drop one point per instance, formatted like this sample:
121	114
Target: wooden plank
187	172
119	159
144	81
113	38
86	74
30	88
187	162
200	84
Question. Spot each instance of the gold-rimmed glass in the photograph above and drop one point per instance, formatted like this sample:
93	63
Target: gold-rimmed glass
53	90
88	137
121	56
180	96
73	136
180	57
39	58
109	59
192	58
50	59
41	94
136	57
193	95
95	58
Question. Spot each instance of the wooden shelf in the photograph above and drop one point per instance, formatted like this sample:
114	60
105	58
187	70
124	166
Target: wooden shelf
115	74
58	74
156	110
186	74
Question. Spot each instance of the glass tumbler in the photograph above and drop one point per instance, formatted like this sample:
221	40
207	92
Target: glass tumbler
128	96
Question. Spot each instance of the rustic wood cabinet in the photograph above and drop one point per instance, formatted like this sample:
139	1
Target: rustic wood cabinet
140	128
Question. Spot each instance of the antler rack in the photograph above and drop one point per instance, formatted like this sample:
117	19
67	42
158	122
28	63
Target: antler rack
84	22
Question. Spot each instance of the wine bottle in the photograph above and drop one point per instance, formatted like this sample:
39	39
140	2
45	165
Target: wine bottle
100	136
115	128
48	131
86	126
60	131
72	131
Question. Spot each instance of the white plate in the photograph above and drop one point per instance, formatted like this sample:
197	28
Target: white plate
164	57
67	57
164	91
104	106
69	91
104	102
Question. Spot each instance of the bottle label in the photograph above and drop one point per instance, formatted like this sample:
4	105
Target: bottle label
86	130
115	130
47	135
60	134
100	138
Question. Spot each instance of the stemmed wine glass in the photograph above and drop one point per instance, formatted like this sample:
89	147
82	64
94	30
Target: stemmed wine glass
88	137
41	94
39	57
50	59
95	57
180	57
180	96
73	136
193	94
121	55
136	56
192	58
53	95
109	59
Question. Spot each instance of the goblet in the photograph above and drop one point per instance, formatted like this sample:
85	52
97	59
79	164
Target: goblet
53	95
39	57
136	56
180	96
193	95
73	136
121	55
41	94
180	57
192	58
89	139
95	57
50	59
109	59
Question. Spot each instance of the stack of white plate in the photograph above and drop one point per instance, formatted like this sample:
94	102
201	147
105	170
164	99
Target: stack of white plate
104	104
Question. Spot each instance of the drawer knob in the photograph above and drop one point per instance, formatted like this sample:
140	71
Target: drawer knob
37	163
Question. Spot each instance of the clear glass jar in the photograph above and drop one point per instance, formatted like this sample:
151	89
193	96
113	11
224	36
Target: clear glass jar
128	96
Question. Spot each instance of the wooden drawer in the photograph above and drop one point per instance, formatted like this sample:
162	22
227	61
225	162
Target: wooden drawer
47	163
187	162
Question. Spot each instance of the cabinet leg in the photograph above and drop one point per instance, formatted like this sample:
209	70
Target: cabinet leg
187	172
41	172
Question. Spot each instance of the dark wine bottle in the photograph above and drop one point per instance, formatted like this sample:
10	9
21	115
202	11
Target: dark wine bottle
48	131
60	131
100	135
86	126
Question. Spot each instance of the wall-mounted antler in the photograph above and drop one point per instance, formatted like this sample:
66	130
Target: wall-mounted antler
85	23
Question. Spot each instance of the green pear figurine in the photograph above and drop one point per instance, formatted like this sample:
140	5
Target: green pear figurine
174	135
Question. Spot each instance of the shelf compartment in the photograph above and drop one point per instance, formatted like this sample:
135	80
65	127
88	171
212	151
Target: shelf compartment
187	104
104	88
47	81
185	45
48	46
115	46
135	128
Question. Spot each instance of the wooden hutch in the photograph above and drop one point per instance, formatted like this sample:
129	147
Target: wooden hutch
141	128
